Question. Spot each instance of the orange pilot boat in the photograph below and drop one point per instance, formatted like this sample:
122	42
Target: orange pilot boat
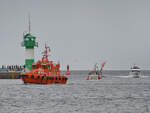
44	72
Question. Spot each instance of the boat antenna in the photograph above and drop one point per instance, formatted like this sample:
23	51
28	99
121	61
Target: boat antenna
29	23
45	53
62	66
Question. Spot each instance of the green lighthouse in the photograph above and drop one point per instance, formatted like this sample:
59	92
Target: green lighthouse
29	42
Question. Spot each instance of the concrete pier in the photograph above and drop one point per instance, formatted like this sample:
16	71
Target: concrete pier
9	75
11	71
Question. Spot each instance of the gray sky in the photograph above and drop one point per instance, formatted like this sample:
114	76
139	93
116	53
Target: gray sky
79	32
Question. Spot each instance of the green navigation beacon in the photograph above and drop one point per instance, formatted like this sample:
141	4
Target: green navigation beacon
29	42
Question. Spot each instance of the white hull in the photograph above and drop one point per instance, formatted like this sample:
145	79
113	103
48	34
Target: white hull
135	74
94	77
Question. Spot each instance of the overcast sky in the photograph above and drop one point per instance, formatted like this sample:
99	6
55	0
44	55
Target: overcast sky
79	32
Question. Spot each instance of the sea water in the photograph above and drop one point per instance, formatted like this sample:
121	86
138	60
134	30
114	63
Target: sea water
111	94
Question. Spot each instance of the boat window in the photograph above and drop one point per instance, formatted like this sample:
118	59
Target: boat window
52	78
44	66
63	78
66	78
34	66
47	78
24	75
56	78
32	76
59	78
49	67
42	77
38	77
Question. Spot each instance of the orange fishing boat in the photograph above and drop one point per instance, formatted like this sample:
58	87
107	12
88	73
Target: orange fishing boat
44	72
96	74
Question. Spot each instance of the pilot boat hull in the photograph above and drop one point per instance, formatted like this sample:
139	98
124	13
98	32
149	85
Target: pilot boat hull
45	79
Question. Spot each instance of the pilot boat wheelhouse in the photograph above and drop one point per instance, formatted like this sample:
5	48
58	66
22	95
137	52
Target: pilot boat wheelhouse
44	72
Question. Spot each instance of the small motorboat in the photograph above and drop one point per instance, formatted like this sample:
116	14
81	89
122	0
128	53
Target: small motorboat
135	72
96	74
44	72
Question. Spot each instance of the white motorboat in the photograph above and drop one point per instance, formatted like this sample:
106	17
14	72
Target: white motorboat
135	72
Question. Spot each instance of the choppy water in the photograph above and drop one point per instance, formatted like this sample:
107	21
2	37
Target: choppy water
111	94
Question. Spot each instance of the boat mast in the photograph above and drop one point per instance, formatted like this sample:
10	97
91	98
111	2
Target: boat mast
45	53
